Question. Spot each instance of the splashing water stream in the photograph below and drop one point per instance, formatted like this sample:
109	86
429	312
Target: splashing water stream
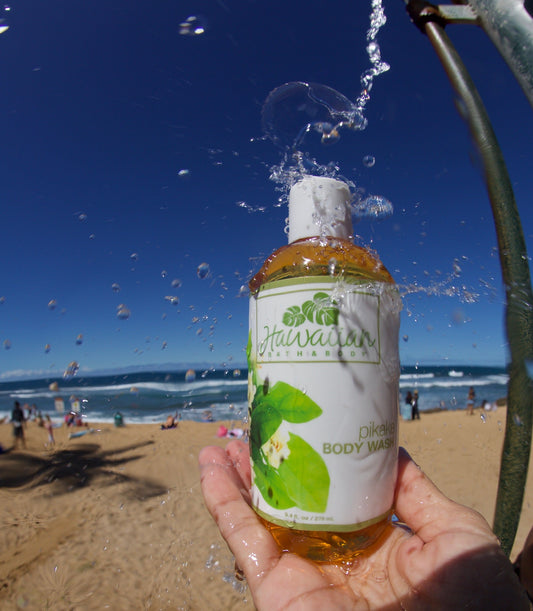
295	111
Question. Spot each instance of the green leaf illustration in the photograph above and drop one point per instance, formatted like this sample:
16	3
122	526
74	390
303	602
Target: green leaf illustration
250	357
309	308
293	317
265	420
321	310
327	316
304	483
271	486
291	403
249	349
305	476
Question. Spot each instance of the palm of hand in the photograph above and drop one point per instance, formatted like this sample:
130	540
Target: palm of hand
452	561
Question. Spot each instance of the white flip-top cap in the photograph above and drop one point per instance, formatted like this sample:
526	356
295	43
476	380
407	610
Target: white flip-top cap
319	206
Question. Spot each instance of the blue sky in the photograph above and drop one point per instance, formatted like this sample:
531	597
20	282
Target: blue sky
101	111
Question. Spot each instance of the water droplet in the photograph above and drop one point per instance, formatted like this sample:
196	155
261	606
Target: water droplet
195	25
7	344
203	270
71	370
134	256
4	22
517	420
2	300
173	299
176	283
184	173
47	348
379	575
115	287
332	265
405	338
164	273
483	418
123	312
82	216
369	161
79	340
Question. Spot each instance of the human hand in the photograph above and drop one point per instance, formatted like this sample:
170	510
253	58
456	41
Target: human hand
450	559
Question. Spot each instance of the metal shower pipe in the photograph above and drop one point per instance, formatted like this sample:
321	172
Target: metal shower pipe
431	20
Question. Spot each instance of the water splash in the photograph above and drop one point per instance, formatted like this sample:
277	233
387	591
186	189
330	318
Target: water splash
296	112
249	208
448	286
296	109
373	206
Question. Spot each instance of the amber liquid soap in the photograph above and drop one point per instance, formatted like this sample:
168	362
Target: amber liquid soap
323	383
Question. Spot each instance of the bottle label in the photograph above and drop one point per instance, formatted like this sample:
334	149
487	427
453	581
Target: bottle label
323	372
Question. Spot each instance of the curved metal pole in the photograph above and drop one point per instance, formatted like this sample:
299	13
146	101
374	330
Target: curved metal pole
509	25
516	278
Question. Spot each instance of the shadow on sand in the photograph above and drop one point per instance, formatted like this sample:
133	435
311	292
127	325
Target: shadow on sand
70	469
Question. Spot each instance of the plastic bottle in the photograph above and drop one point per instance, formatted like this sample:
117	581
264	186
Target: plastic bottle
323	383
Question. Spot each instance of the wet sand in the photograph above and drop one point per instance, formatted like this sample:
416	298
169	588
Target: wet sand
115	519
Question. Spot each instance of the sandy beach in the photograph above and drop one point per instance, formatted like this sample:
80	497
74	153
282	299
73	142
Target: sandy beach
115	519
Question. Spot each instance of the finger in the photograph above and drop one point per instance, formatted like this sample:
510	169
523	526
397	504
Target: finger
423	507
239	453
252	545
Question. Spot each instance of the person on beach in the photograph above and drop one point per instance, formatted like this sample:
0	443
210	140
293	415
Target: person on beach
409	398
415	414
18	419
443	556
470	401
170	423
49	427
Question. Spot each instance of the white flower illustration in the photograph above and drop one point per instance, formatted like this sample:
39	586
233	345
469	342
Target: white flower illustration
276	449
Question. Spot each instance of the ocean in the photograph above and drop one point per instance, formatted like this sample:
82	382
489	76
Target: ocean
221	394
